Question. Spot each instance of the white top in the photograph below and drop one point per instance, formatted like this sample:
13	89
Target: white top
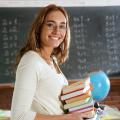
37	88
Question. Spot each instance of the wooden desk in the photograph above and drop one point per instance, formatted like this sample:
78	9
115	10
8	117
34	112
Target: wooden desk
113	99
6	92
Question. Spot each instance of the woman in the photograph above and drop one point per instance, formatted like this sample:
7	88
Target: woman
39	80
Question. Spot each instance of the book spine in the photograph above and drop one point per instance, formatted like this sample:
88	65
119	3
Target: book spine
76	93
79	108
89	103
66	91
71	95
84	109
77	98
74	104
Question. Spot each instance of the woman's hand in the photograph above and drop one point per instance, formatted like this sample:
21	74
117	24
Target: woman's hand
72	116
78	115
69	116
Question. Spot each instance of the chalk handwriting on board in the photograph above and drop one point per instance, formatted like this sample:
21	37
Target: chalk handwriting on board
95	40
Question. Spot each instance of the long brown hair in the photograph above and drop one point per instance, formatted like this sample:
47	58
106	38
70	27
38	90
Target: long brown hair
33	37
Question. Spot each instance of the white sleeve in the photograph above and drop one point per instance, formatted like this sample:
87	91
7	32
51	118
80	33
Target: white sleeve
24	91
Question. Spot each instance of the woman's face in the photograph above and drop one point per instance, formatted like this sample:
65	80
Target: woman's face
54	29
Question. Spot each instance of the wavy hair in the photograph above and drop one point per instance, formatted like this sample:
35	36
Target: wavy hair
33	37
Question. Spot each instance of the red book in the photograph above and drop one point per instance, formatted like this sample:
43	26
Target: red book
75	93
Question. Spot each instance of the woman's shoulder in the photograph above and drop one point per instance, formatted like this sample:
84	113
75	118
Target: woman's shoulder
30	60
30	57
31	53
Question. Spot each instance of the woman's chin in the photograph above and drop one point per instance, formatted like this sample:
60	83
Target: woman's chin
55	45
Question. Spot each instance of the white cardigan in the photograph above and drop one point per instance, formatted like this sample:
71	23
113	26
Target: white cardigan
37	88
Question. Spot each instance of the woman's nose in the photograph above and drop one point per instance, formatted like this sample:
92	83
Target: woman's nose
56	30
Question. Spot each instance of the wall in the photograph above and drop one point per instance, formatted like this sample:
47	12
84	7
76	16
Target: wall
37	3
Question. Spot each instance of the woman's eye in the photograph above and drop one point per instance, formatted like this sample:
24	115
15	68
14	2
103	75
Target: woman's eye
62	27
50	25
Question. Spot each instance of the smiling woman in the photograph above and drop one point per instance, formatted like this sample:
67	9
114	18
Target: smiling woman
54	31
39	80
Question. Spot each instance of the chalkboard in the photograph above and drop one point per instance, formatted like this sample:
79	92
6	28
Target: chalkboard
95	40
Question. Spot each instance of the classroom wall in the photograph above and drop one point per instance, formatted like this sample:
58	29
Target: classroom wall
37	3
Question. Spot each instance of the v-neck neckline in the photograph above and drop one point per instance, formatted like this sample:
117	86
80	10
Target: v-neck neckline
54	70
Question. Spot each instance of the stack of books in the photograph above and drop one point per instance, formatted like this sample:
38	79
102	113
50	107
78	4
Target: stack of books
77	97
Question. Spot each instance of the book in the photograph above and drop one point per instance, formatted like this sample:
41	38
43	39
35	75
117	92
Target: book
90	103
77	103
74	88
83	81
80	97
75	93
83	110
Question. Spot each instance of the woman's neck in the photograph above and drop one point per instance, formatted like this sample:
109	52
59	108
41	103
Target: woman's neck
46	55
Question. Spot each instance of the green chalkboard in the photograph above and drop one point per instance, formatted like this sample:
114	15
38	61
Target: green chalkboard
95	40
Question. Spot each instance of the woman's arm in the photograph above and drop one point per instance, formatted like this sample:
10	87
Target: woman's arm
74	116
25	86
70	116
24	90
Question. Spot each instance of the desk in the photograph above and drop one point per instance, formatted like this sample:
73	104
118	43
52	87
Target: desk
6	92
113	98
